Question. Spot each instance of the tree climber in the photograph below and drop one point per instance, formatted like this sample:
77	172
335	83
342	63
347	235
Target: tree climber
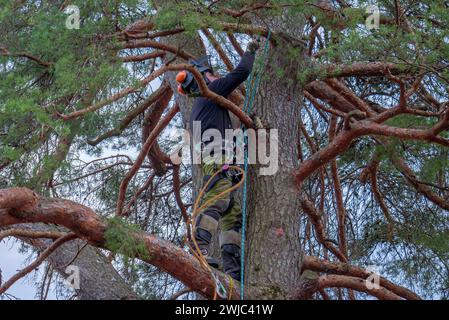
212	116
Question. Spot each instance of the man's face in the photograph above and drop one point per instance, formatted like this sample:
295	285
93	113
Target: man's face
211	77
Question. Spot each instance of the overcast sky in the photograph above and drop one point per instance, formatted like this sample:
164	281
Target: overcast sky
11	261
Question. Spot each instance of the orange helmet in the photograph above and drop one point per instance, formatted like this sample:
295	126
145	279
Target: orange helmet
181	76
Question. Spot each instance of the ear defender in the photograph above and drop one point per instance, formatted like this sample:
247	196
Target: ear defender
181	76
186	81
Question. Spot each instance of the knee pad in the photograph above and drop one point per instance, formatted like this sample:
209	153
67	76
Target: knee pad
230	237
202	236
206	222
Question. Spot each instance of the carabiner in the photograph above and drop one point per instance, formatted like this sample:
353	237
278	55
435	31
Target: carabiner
219	288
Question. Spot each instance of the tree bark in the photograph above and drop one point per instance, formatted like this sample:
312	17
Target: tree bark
273	246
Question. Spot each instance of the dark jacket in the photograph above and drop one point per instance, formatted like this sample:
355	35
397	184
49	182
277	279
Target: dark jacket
211	115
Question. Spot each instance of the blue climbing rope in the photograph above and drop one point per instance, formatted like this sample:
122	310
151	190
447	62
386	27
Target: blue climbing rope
252	86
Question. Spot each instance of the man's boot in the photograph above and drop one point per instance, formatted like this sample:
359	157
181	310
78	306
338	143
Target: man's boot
230	253
205	227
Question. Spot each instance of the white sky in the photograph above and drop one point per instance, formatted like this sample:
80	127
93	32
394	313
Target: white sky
11	261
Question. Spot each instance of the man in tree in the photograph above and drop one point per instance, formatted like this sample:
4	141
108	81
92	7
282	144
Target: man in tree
212	116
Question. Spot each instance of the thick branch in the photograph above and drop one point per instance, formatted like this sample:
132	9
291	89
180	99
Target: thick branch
315	264
156	156
157	45
322	91
337	281
143	57
308	285
364	127
17	198
89	226
235	44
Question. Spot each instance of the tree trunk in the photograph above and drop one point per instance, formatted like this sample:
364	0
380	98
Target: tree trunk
273	247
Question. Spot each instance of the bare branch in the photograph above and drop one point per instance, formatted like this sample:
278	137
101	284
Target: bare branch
21	233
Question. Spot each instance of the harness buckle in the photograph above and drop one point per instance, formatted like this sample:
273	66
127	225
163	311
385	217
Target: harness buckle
232	174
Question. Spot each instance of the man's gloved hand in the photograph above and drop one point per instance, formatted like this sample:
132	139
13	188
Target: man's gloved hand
257	123
253	46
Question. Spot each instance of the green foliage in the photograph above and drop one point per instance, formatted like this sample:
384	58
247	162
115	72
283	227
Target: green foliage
359	153
434	167
110	186
175	15
438	241
9	153
410	121
122	237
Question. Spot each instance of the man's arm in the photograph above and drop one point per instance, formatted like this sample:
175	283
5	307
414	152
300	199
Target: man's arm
224	86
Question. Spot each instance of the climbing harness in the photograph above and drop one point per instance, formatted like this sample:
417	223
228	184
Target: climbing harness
252	85
225	172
